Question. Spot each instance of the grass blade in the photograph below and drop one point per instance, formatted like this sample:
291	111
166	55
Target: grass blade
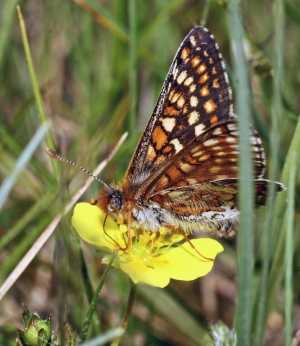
44	202
36	89
268	235
133	86
7	16
279	217
104	338
289	254
21	163
245	238
167	307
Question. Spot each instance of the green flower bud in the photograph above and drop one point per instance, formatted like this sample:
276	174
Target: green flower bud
37	332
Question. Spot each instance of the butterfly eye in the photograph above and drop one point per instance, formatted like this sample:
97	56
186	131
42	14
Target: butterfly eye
116	203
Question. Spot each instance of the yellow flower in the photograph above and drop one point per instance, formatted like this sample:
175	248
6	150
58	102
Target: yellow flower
152	259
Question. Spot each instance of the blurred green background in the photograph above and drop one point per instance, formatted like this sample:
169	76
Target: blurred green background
94	90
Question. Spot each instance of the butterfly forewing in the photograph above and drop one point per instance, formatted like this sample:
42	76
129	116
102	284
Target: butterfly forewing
195	96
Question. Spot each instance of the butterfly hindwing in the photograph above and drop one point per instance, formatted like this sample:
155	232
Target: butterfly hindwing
212	206
211	156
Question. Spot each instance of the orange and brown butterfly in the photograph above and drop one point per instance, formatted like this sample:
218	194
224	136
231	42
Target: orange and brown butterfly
184	173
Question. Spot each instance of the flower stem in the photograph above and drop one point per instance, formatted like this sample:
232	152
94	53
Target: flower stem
87	321
127	314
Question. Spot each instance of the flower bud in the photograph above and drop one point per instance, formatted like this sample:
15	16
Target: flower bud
37	332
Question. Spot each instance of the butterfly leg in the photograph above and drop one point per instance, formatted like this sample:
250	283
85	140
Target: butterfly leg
188	240
129	233
129	240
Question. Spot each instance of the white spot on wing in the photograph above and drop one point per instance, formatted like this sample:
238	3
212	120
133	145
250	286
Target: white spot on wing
217	131
175	97
199	153
193	101
193	40
192	88
181	77
168	124
231	126
191	181
177	145
186	167
180	102
193	117
199	129
214	215
210	142
204	157
231	140
188	81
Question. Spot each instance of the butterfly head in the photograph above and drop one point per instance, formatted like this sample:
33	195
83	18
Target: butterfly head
110	201
116	201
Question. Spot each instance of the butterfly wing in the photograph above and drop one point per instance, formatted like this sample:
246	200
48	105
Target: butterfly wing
195	96
212	206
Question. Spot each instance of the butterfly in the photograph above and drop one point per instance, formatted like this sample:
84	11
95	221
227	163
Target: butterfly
183	175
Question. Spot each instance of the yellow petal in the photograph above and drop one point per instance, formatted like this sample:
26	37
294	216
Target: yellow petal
139	273
183	263
88	220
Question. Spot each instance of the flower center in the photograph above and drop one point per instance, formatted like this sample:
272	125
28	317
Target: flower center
146	245
142	248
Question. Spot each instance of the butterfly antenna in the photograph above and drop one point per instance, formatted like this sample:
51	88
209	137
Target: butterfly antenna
94	201
55	156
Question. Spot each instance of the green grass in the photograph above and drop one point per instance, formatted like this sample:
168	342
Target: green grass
99	70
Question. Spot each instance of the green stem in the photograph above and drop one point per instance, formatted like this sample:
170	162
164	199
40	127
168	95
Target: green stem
86	281
36	89
205	13
87	320
127	314
8	9
132	65
288	282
